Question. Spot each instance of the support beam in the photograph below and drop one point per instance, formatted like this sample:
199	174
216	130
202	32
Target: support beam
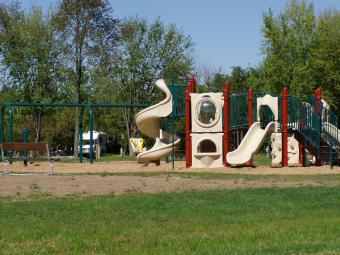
2	124
250	114
81	136
226	127
284	126
10	111
91	133
188	142
318	97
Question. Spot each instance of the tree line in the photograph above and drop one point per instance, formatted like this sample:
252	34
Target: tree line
300	49
80	52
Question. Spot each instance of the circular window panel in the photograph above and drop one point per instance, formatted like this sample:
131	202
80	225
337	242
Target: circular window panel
206	112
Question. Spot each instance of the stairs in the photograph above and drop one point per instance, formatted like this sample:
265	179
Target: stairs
318	146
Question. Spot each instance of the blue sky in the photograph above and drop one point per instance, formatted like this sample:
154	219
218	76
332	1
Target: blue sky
226	33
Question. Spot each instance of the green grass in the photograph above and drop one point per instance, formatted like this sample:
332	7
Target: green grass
229	176
250	221
262	160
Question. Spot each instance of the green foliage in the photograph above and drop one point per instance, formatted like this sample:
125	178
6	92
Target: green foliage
147	52
28	53
326	59
87	35
289	42
301	51
79	52
238	79
249	221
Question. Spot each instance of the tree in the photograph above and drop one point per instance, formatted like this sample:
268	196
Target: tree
88	33
289	42
301	51
216	82
238	80
28	57
148	52
326	61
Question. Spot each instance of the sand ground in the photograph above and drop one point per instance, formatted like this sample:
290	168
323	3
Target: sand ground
132	166
86	179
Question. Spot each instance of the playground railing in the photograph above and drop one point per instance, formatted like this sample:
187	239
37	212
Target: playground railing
303	117
317	124
238	110
330	133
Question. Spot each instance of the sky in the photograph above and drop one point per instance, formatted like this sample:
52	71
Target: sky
226	33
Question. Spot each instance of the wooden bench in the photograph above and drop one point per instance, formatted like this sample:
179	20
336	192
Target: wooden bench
25	148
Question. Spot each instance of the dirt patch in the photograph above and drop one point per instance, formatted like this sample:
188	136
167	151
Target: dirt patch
74	179
83	185
132	166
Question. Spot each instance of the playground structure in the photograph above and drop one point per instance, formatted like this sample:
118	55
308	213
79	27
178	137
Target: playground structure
297	128
220	129
207	128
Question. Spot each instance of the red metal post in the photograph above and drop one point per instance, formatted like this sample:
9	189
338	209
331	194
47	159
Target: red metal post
284	126
194	85
318	98
188	142
302	158
226	141
250	113
302	149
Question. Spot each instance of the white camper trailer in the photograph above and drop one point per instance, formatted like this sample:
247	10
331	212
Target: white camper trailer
99	141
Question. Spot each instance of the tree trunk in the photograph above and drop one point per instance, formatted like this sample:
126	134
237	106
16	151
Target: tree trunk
76	134
38	130
126	121
37	124
76	124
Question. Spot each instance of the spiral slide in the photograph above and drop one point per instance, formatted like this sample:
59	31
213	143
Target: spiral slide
250	144
148	122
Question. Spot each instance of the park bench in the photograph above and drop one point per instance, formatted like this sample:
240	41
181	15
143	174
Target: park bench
25	148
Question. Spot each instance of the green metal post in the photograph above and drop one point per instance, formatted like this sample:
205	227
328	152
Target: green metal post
91	133
81	136
305	152
173	138
25	139
166	127
10	110
331	154
2	124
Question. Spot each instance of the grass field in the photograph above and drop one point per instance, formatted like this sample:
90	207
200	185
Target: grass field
249	221
230	176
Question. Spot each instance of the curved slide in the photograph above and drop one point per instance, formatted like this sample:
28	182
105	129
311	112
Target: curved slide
148	122
250	144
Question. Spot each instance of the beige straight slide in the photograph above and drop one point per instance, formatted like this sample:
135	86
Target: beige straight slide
148	122
250	144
